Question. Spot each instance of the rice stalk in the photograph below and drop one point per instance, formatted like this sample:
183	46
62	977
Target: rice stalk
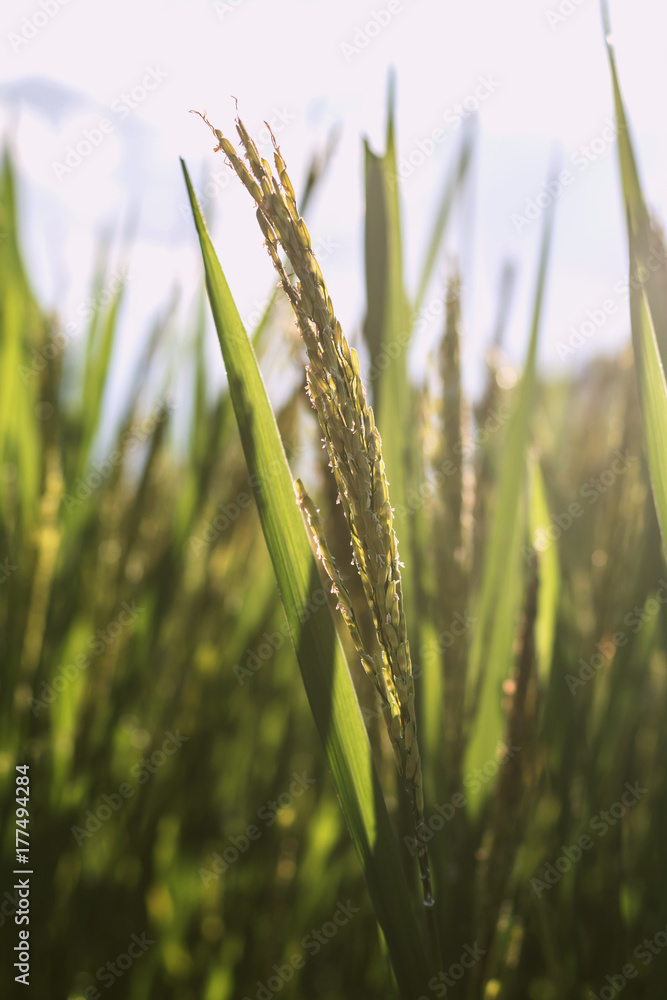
505	831
485	469
354	449
450	550
47	535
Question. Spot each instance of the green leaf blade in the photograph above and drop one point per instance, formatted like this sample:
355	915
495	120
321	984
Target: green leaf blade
321	658
501	587
644	306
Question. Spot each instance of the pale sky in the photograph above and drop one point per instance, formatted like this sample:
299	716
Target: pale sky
543	87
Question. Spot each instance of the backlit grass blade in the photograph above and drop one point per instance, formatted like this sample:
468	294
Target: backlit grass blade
549	578
100	347
198	431
387	330
99	280
501	584
454	184
22	361
375	248
644	318
321	658
634	199
653	398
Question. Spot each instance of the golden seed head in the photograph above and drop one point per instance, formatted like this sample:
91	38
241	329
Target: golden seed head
354	449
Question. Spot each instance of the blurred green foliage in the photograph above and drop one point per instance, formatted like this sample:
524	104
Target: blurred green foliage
178	790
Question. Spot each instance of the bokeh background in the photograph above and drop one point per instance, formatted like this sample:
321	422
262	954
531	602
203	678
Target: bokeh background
183	811
552	99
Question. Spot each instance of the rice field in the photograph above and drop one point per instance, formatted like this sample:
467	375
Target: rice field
363	696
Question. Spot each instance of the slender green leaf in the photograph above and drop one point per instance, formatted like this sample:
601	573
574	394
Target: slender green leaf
387	331
500	590
539	520
97	375
321	658
454	183
645	339
375	249
653	398
637	214
21	359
